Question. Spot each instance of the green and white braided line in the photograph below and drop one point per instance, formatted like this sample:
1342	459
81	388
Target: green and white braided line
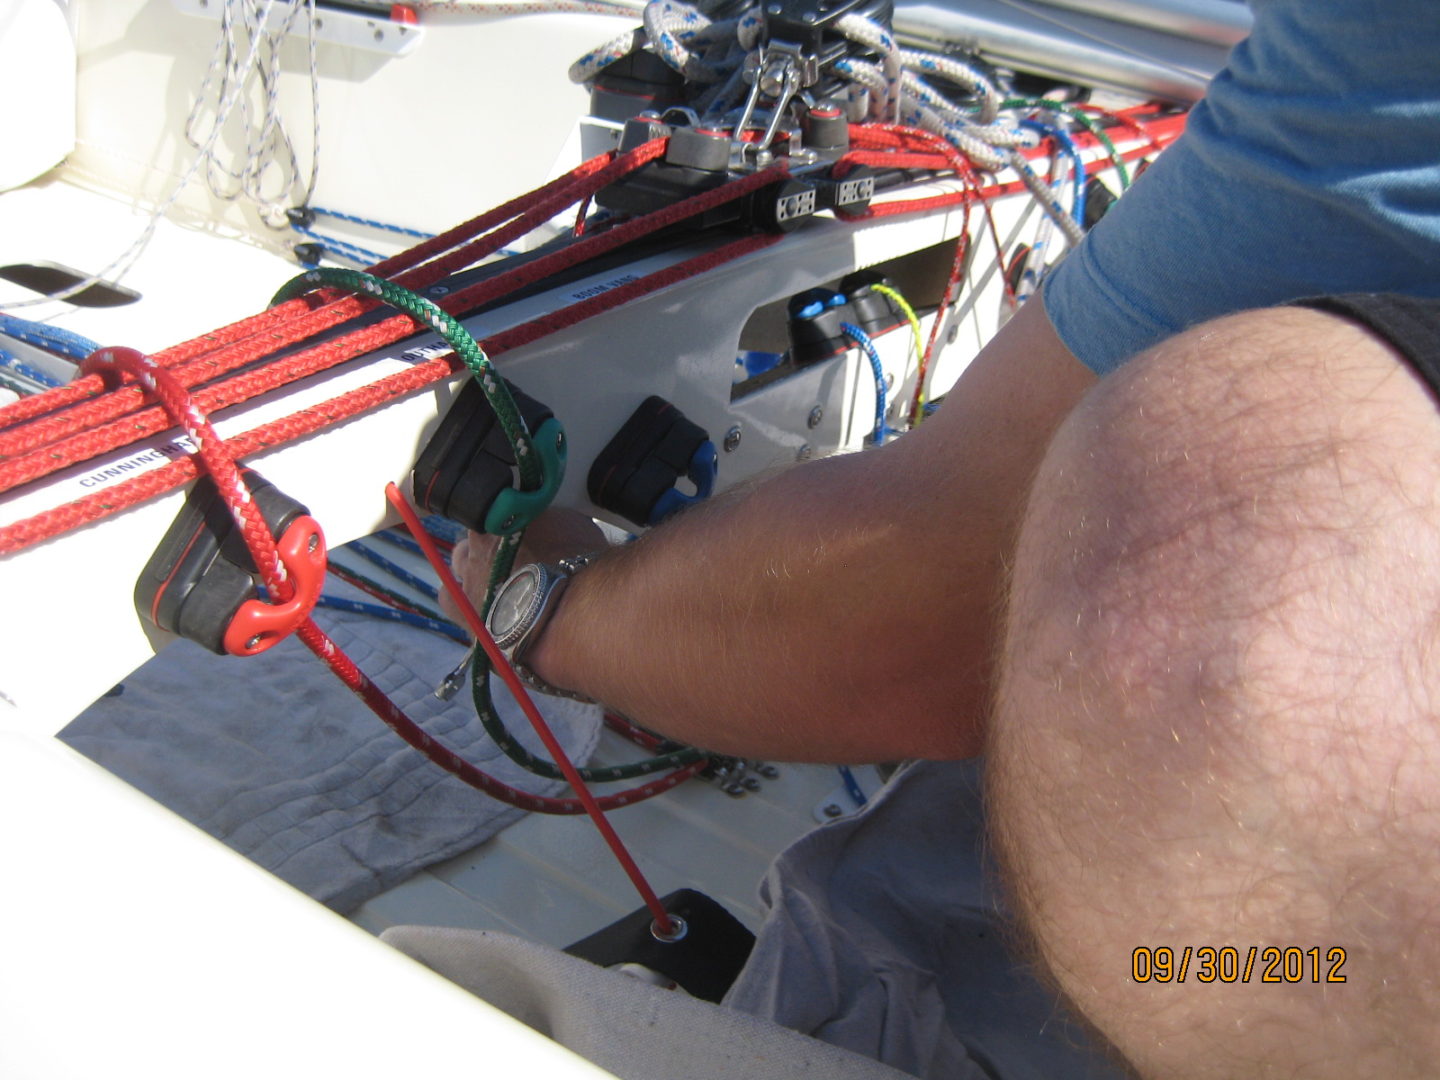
456	336
513	425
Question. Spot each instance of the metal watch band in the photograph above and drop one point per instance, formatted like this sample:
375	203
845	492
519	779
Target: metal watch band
568	567
540	686
573	564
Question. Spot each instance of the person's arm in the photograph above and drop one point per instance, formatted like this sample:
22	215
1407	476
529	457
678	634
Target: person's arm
842	610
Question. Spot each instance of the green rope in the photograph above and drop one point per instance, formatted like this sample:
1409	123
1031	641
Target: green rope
496	729
531	478
909	312
456	336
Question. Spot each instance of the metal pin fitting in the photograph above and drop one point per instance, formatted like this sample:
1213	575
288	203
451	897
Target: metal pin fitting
451	684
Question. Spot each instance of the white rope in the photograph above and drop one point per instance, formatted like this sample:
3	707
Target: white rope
269	151
118	267
670	26
892	90
1046	198
960	73
885	102
585	69
626	8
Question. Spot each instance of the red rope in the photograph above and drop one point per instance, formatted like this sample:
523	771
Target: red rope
44	460
84	388
101	504
210	360
540	212
442	242
234	350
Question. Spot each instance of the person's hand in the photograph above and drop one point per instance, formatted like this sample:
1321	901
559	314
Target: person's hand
552	536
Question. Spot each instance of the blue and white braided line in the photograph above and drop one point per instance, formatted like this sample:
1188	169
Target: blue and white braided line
885	107
669	26
340	603
868	75
599	58
962	74
862	339
381	225
55	339
1077	165
25	371
961	135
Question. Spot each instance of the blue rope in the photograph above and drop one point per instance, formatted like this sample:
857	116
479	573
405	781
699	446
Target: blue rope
339	216
400	540
17	385
413	580
25	371
1077	166
450	630
444	528
862	339
354	252
54	338
852	786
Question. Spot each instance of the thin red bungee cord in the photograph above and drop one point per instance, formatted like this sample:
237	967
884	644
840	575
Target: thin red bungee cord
503	667
236	496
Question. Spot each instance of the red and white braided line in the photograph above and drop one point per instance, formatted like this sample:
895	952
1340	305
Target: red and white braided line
220	463
164	387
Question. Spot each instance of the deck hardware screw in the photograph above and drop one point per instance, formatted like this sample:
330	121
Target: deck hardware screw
732	438
832	810
770	772
804	453
678	929
816	415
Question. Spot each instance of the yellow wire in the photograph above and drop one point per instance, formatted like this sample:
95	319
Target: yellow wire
887	291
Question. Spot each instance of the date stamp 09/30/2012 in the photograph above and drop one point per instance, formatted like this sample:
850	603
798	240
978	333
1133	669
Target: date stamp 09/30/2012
1229	964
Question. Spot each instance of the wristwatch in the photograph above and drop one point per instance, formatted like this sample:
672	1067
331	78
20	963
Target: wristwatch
523	606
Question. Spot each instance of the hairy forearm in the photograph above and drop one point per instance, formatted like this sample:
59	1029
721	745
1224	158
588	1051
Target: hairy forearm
841	610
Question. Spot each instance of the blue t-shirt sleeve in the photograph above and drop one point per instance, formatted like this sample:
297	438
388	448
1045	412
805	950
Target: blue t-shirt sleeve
1311	167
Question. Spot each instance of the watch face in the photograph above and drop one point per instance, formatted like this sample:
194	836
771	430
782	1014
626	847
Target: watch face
514	604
